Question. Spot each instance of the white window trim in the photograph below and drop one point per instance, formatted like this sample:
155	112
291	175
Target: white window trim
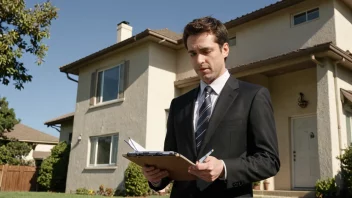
307	21
96	103
98	166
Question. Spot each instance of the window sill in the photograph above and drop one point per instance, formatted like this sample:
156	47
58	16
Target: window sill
100	168
107	103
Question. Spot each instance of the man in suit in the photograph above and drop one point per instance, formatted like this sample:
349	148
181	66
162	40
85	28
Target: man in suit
232	117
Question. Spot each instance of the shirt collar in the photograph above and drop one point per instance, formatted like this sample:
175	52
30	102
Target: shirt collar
217	84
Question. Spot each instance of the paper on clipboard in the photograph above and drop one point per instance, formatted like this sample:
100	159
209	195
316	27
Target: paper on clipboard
134	145
175	163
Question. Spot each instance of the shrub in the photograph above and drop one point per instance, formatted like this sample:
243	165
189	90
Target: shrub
346	168
135	182
326	188
109	192
53	171
82	191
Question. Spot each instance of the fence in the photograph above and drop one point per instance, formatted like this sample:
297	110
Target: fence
18	178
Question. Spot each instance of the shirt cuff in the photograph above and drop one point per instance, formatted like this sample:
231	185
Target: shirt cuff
225	174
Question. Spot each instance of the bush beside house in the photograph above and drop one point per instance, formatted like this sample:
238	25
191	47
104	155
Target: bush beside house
329	188
53	171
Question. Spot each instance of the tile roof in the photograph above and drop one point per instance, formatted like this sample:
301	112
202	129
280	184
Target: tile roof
27	134
60	119
169	34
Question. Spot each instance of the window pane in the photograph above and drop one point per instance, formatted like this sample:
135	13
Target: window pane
111	82
299	18
232	41
313	14
115	140
93	145
103	150
100	86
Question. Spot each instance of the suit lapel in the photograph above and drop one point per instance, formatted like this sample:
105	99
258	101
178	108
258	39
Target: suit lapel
189	117
224	101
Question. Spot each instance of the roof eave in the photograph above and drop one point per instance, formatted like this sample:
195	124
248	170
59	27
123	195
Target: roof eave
72	68
321	50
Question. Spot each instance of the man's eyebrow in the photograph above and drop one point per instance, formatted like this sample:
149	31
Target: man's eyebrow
201	49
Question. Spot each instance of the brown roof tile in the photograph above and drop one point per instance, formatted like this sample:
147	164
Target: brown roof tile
60	119
28	134
169	34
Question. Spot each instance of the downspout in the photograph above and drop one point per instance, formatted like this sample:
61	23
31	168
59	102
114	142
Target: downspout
337	102
71	78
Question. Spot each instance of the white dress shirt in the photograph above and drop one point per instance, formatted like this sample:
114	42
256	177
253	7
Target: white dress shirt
217	85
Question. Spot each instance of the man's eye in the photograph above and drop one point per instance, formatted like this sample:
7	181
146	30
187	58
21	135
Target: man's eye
192	54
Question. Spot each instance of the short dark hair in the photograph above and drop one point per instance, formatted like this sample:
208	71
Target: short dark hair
206	24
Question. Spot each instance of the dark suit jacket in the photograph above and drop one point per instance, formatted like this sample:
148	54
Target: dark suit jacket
241	131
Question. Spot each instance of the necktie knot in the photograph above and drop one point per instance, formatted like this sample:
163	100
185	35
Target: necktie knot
208	90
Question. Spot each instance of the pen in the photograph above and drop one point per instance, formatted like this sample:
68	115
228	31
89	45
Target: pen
205	156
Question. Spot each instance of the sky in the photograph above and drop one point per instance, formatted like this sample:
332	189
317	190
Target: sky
86	26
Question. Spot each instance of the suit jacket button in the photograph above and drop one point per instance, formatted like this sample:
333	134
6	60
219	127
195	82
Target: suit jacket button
235	184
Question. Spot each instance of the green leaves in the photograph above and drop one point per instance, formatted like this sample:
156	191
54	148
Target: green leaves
53	171
346	167
326	188
135	182
22	31
13	152
7	117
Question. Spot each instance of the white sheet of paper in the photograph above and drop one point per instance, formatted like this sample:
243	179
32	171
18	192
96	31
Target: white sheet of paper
135	146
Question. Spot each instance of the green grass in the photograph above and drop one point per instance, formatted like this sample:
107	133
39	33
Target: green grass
51	195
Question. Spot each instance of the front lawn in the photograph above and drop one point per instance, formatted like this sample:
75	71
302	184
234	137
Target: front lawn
51	195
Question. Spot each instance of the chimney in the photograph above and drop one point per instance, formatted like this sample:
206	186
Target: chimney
124	31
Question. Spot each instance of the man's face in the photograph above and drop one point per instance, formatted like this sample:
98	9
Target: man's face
207	57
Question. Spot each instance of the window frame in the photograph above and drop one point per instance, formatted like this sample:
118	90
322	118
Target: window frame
234	41
306	16
96	150
97	102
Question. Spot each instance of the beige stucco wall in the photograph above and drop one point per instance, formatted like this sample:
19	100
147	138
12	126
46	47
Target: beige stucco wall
343	22
273	35
344	81
328	140
128	118
66	129
258	79
284	90
161	77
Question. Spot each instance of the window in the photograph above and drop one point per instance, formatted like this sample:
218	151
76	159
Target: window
103	150
306	16
108	84
232	41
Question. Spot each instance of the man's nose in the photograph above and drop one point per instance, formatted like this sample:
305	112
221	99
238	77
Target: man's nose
200	59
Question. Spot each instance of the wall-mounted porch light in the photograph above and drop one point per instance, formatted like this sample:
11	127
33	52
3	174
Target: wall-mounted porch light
301	101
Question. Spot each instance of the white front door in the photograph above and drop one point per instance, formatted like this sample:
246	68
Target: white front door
305	152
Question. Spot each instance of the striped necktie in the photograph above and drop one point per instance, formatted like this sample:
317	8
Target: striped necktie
204	114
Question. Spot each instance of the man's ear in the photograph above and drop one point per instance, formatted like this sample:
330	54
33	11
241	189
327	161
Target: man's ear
225	49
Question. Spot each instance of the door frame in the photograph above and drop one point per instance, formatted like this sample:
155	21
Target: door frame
292	147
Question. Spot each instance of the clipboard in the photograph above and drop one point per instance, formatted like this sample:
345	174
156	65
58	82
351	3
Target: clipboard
175	163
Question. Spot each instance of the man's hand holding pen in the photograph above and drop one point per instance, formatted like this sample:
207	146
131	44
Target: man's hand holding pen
208	168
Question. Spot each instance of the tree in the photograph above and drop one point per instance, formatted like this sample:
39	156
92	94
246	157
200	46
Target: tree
22	31
13	153
7	116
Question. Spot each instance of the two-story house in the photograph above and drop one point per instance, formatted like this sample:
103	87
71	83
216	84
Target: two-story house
299	49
